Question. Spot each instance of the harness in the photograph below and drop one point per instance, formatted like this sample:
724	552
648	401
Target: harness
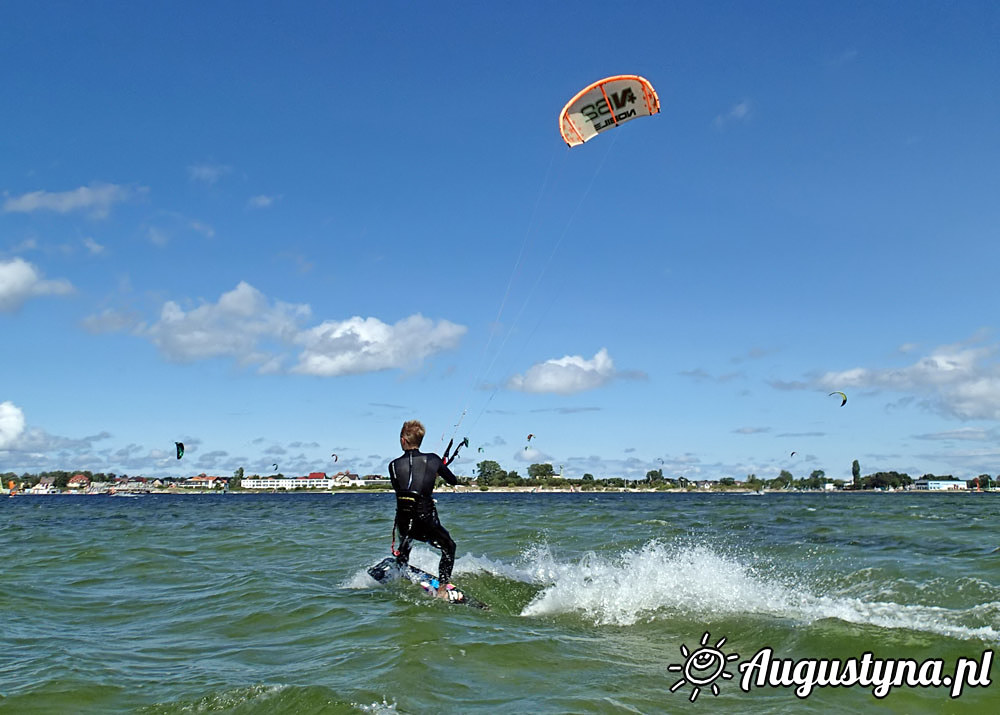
409	505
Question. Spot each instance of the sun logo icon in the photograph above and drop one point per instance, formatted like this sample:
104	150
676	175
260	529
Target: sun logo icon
702	667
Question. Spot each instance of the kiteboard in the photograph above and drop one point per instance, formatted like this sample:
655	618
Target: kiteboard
389	569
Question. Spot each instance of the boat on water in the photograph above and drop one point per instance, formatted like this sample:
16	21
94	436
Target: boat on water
40	489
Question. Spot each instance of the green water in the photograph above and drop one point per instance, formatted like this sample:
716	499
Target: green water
261	604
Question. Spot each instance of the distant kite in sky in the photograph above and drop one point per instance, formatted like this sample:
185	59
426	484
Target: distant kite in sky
334	457
843	400
530	436
276	467
793	454
180	449
606	104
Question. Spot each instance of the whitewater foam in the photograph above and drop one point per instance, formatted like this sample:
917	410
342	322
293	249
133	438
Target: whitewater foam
659	580
536	565
640	583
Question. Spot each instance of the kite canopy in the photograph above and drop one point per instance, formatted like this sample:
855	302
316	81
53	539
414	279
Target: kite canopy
180	449
842	396
606	104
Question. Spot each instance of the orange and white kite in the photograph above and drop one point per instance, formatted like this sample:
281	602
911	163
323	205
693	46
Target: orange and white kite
606	104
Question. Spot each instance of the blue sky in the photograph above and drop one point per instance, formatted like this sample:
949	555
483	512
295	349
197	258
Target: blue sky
276	232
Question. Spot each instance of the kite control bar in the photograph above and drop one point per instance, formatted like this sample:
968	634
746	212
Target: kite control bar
445	458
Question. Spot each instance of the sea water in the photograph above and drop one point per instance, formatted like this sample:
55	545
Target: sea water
261	604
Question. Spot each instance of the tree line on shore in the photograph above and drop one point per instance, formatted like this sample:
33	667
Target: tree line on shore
489	473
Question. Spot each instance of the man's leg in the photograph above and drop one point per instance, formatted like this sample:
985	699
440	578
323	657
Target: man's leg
405	543
442	540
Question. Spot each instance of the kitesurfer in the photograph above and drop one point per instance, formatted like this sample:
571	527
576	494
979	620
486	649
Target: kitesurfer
412	476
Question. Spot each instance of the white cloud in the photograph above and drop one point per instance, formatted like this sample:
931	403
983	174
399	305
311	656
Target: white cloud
93	246
11	424
28	244
702	376
110	321
531	455
262	201
959	380
254	330
970	434
203	228
566	375
361	345
208	173
157	236
739	112
232	327
96	198
19	280
37	442
171	224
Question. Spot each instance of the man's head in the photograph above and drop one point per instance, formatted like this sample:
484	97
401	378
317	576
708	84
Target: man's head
412	434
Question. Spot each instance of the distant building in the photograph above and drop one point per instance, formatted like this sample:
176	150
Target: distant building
203	481
46	485
939	485
369	480
78	481
315	480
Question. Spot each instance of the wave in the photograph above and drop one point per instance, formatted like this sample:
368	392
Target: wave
660	580
272	698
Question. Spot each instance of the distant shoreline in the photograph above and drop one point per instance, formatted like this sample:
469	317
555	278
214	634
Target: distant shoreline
503	490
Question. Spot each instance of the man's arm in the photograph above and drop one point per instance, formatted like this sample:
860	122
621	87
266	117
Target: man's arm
392	476
446	474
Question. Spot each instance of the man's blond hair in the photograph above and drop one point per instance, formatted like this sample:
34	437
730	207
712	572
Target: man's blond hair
412	433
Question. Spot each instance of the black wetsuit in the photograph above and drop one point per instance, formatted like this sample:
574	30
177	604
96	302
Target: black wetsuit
413	476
